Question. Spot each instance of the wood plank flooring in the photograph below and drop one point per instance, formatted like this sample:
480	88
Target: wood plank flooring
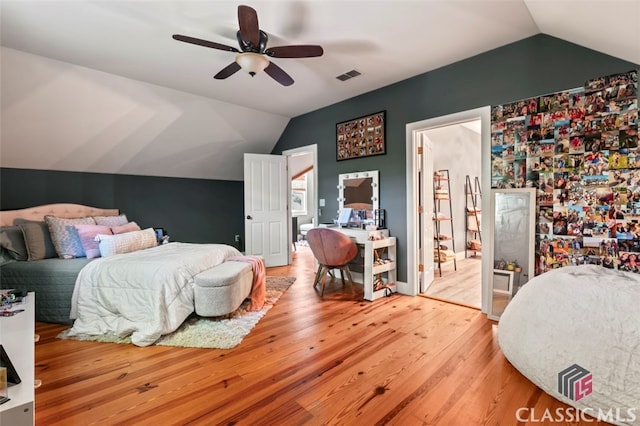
462	285
310	361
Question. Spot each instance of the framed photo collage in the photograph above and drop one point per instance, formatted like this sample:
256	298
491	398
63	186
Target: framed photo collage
361	137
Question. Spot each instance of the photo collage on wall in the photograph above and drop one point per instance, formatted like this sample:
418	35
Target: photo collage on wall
579	148
361	137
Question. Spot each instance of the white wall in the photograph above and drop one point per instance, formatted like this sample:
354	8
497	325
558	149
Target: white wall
458	149
60	116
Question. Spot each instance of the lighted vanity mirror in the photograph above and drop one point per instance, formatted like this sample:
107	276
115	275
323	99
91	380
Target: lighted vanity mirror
358	190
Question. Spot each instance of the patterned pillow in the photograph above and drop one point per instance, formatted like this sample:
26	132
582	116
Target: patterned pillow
129	227
37	239
65	236
12	240
126	243
111	220
87	234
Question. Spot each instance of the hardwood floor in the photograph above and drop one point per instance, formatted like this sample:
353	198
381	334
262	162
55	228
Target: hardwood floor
339	360
462	285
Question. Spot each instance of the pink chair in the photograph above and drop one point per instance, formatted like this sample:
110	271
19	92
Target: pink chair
333	250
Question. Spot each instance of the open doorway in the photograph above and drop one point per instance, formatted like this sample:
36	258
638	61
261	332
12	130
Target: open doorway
269	231
456	151
302	173
421	268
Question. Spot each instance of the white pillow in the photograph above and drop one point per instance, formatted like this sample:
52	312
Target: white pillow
126	243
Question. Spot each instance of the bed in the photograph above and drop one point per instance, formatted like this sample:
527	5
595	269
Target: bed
143	292
52	279
575	333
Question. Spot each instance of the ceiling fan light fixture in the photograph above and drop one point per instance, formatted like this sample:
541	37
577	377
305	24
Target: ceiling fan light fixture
253	54
252	63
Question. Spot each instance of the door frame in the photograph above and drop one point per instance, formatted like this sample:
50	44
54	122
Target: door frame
427	225
413	135
312	204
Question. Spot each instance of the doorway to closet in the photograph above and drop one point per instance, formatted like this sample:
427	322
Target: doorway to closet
453	149
455	155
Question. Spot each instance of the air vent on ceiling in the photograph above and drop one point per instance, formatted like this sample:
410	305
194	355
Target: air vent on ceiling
349	74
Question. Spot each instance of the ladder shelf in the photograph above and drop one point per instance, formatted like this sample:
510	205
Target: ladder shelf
443	221
473	209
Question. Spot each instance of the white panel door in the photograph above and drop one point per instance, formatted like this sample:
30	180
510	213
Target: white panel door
265	207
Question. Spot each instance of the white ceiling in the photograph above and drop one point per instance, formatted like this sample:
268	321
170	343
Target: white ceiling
387	41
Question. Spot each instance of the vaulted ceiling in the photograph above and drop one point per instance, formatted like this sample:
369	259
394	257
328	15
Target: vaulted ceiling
386	41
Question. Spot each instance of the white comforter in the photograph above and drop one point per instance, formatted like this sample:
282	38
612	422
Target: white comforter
144	294
585	315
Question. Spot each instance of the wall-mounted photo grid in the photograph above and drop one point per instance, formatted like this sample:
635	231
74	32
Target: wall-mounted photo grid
579	148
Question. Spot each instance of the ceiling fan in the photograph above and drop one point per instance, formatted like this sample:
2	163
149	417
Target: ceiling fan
252	56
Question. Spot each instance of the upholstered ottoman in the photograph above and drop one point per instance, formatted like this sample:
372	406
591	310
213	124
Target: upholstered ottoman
221	289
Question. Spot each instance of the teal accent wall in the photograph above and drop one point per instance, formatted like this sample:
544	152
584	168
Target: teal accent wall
191	210
534	66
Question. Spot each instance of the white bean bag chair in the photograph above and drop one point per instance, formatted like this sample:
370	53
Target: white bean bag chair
575	333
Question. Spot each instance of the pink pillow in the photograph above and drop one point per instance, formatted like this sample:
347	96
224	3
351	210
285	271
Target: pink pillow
88	234
129	227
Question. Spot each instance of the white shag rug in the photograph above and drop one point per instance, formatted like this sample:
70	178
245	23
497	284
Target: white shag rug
216	332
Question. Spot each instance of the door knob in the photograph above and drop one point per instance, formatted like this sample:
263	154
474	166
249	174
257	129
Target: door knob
249	217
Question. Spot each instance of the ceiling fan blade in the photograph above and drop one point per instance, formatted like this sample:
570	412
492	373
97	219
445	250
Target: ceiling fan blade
248	20
295	51
278	74
227	71
204	43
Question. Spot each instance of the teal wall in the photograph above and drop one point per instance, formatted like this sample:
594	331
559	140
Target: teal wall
534	66
191	210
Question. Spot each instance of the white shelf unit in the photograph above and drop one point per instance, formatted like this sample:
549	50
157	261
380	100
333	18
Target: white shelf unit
17	338
386	271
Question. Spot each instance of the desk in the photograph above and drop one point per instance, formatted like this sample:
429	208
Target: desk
372	269
360	236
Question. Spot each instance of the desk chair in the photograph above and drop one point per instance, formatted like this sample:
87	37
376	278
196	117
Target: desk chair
333	250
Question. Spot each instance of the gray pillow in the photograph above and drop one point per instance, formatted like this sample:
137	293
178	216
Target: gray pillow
37	239
5	256
12	242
